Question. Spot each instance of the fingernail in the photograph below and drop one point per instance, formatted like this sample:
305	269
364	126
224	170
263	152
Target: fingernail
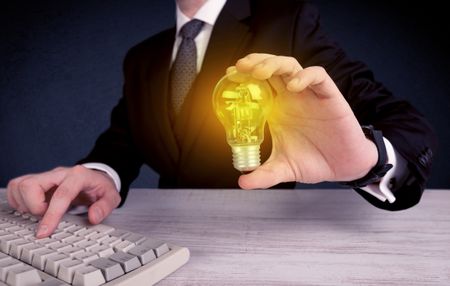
293	84
296	81
260	66
42	230
243	60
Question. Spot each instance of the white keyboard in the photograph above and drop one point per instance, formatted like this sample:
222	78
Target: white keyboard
79	253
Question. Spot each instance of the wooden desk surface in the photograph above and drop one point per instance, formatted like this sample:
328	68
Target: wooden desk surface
294	237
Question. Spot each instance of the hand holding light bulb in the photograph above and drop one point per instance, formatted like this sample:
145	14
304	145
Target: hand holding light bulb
315	135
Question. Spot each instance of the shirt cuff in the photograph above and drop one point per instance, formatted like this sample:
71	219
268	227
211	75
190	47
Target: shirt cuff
383	189
108	170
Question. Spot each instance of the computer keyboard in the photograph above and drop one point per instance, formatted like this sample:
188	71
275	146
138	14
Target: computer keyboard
79	253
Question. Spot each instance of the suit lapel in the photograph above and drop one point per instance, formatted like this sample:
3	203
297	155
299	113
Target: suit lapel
223	50
158	86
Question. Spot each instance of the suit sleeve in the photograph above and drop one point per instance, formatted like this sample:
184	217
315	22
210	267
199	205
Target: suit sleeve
115	146
407	130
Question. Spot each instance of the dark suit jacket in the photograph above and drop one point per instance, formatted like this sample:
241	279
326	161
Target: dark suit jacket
191	151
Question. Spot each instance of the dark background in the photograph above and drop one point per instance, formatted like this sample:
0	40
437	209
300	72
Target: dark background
60	69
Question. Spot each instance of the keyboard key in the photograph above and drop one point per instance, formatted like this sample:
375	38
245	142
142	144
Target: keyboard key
75	229
53	262
13	247
59	246
33	227
119	233
86	256
110	269
52	282
80	242
72	251
88	276
135	238
67	270
14	229
124	246
28	224
87	233
73	239
40	257
4	233
16	251
99	237
3	256
28	251
5	242
144	253
111	241
127	261
86	244
64	225
102	250
101	228
5	225
23	275
25	233
61	235
21	221
45	241
7	265
158	246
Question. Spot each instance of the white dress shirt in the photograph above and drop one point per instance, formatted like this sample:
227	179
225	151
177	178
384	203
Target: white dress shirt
209	13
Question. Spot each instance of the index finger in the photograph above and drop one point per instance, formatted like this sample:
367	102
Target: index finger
247	63
315	78
236	76
276	65
58	205
32	189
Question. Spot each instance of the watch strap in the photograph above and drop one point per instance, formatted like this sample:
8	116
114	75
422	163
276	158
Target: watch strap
381	167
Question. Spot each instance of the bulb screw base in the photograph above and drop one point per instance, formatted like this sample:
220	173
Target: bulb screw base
246	158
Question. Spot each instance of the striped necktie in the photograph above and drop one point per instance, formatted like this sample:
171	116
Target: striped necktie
184	68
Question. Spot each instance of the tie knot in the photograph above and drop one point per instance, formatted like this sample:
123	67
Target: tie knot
191	29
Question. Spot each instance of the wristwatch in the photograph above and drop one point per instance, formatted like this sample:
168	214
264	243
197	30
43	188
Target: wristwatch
381	167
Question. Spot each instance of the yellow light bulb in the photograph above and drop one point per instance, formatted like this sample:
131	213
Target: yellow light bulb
242	104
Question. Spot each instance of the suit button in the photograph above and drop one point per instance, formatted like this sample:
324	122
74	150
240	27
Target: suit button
425	157
429	153
423	160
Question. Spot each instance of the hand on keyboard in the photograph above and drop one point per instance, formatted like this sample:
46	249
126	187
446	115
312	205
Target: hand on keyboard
79	253
50	194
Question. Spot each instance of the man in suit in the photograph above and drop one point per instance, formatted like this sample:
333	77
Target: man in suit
322	100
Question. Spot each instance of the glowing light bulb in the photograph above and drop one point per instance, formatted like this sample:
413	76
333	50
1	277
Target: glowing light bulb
242	104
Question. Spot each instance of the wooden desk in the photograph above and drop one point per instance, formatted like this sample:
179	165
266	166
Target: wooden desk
294	237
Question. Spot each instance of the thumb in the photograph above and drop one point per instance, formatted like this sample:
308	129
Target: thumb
99	210
265	176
